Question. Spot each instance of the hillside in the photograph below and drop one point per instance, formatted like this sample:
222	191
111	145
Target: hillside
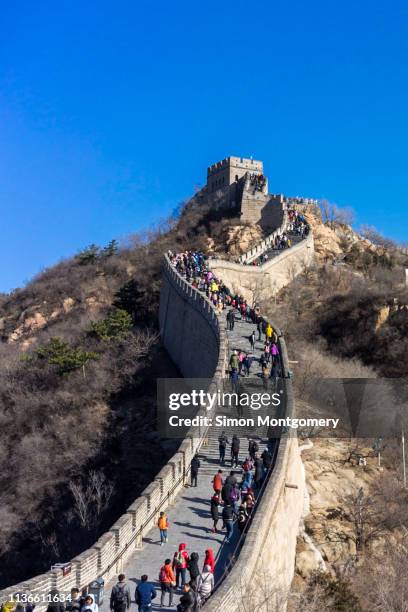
80	356
81	353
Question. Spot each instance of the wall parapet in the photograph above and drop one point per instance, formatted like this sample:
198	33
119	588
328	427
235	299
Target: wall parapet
265	244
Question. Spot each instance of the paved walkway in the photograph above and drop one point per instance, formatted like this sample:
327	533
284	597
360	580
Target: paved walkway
271	253
190	518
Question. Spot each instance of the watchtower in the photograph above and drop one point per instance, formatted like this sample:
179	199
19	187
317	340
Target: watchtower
228	171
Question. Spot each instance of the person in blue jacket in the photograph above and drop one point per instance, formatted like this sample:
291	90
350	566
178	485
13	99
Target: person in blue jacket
144	595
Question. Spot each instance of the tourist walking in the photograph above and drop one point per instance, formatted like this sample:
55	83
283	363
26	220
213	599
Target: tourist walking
167	581
217	482
228	518
259	471
193	569
180	563
163	525
267	459
55	604
222	445
76	601
235	444
259	327
252	340
144	594
234	376
188	600
215	502
120	595
209	559
90	605
195	466
205	585
253	448
243	516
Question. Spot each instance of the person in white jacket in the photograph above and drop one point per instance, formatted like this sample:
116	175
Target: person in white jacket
205	584
90	605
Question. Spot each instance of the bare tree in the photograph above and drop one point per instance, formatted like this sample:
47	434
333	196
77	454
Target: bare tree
366	516
332	214
91	498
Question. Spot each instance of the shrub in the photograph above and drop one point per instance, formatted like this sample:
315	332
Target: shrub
66	358
113	327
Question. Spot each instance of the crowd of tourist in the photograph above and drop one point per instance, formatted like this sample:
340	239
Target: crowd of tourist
297	228
193	266
233	499
257	181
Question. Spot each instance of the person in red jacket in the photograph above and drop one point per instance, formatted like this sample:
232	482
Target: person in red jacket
180	563
209	559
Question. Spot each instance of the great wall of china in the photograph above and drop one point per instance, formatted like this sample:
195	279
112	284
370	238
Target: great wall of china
189	324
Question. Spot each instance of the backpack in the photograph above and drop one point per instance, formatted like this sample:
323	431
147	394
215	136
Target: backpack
119	599
180	560
234	495
163	574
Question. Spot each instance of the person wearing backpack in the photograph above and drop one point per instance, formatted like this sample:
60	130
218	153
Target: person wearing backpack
205	584
163	525
144	594
167	581
193	569
180	563
120	595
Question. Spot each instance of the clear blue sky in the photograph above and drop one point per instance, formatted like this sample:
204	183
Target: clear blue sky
111	111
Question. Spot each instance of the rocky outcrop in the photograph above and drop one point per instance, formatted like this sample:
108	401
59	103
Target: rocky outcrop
235	240
331	476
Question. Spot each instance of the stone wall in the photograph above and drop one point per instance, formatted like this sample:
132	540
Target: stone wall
261	207
189	326
266	561
263	282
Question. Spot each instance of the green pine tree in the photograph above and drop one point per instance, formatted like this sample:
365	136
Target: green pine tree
113	327
63	356
89	255
111	249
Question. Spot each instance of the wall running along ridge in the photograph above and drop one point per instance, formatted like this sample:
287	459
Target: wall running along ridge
276	521
262	282
106	558
190	326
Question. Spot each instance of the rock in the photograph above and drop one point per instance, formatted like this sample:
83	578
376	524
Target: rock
68	304
31	324
307	562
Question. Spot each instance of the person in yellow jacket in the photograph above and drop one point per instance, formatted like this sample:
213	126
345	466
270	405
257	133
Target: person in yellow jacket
163	525
269	331
214	287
